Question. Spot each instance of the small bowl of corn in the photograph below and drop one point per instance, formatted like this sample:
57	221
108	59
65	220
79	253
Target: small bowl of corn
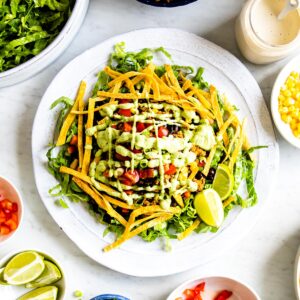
285	102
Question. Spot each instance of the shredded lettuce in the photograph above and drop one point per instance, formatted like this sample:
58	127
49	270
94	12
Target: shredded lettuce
28	26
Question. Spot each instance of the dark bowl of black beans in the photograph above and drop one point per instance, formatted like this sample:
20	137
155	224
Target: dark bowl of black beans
167	3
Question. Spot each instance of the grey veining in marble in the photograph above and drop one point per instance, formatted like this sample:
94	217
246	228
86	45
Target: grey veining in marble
265	257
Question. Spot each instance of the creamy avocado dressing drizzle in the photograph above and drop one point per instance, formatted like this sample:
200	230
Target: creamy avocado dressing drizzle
178	149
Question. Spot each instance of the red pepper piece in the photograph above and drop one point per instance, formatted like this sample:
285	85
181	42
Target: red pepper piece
223	295
74	140
170	169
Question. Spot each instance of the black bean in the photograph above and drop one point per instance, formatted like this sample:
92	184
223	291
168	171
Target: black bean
211	174
173	128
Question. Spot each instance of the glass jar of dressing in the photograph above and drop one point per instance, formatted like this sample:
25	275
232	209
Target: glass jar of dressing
263	38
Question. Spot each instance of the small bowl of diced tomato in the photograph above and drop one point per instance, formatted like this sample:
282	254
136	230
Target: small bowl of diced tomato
213	288
11	209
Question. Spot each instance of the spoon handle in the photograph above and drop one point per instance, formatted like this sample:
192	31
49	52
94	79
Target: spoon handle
290	5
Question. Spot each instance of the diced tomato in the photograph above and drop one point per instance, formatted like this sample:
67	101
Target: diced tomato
11	224
124	101
197	297
2	216
74	140
126	181
223	295
114	126
14	207
15	217
170	169
189	294
125	112
125	210
200	288
6	204
201	163
163	131
8	216
121	157
129	192
132	176
71	149
4	230
146	173
137	151
140	127
127	127
106	173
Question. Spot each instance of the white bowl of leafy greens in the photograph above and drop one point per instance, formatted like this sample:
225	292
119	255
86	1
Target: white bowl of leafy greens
33	33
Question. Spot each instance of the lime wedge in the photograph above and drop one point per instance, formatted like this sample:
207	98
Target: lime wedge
2	282
23	268
50	275
208	205
223	182
42	293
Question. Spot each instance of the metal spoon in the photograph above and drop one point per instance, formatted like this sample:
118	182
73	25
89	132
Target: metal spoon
289	6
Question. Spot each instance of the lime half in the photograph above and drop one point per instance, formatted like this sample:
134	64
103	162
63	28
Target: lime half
50	275
23	268
208	205
223	182
42	293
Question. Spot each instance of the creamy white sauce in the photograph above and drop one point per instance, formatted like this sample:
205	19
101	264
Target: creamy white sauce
267	26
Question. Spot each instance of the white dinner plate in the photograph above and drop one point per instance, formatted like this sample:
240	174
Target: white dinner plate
137	257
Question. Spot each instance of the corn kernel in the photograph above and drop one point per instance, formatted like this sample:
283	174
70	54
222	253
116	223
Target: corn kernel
289	102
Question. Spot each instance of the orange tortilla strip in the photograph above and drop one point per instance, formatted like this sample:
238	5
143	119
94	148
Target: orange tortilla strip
75	173
88	139
70	117
99	200
137	231
189	230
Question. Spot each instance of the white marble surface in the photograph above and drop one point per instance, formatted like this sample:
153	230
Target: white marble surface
265	257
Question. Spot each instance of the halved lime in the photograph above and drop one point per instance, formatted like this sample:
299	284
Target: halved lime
50	275
42	293
23	268
208	205
223	182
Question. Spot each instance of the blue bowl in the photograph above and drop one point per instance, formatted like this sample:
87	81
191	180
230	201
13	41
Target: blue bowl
164	3
109	297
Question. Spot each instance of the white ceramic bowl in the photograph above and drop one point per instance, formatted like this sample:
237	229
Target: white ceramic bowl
214	285
50	53
9	191
283	128
297	275
10	292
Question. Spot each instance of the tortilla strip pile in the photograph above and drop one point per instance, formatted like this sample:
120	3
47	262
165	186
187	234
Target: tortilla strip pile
158	89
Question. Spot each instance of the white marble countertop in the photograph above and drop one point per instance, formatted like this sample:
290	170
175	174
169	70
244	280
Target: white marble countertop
265	257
